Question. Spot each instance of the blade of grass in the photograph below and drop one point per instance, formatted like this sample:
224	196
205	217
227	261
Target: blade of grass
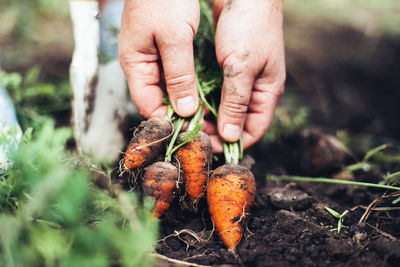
333	212
373	151
327	180
391	178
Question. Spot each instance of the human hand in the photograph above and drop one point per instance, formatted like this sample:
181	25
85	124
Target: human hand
156	43
249	47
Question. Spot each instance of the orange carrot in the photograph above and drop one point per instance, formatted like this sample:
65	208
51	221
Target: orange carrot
146	142
230	194
160	182
195	158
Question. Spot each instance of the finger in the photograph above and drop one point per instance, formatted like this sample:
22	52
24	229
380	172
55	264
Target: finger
209	127
268	88
216	144
218	5
211	130
235	97
177	59
138	57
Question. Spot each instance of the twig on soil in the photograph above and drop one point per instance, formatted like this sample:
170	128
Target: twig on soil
183	231
198	255
178	262
381	208
383	233
368	210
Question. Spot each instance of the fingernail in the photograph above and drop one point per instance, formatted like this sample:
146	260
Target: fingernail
231	132
185	105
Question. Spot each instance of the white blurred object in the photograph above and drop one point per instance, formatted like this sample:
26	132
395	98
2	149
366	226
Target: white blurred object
10	132
104	136
100	92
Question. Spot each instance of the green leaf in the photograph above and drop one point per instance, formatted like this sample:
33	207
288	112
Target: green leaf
12	79
339	226
32	76
192	134
373	151
392	178
333	212
386	158
365	166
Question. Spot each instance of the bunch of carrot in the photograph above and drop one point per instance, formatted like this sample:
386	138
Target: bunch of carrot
230	188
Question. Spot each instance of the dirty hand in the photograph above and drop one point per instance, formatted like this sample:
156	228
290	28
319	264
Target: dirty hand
156	43
249	47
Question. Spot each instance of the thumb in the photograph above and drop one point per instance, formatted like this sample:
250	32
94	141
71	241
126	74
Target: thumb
235	98
178	64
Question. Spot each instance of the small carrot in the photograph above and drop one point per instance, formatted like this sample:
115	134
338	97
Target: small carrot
230	194
160	181
195	158
146	142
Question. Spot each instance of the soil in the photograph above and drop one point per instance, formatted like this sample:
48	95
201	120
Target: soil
289	226
348	83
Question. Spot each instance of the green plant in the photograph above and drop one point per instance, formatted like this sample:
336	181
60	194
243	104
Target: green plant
289	118
338	216
52	214
275	178
35	101
364	164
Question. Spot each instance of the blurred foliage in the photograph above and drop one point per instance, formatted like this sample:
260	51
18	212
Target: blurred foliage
289	118
369	16
208	72
30	29
52	215
51	212
35	100
23	16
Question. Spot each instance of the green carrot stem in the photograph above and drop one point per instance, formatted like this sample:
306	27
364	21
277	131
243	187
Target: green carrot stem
232	152
170	112
192	124
327	180
204	100
177	128
241	148
196	117
227	154
235	152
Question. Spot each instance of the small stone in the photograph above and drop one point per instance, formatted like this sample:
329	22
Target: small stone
359	237
289	198
344	175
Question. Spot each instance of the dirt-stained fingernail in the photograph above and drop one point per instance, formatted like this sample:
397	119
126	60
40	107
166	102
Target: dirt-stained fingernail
231	132
185	105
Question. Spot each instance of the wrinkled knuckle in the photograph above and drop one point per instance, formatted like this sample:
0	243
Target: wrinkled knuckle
125	60
235	107
180	84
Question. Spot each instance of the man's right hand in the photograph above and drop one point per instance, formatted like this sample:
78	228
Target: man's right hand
156	42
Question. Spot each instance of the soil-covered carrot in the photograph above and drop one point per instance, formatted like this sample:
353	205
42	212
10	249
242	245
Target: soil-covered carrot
146	142
230	194
160	181
195	158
